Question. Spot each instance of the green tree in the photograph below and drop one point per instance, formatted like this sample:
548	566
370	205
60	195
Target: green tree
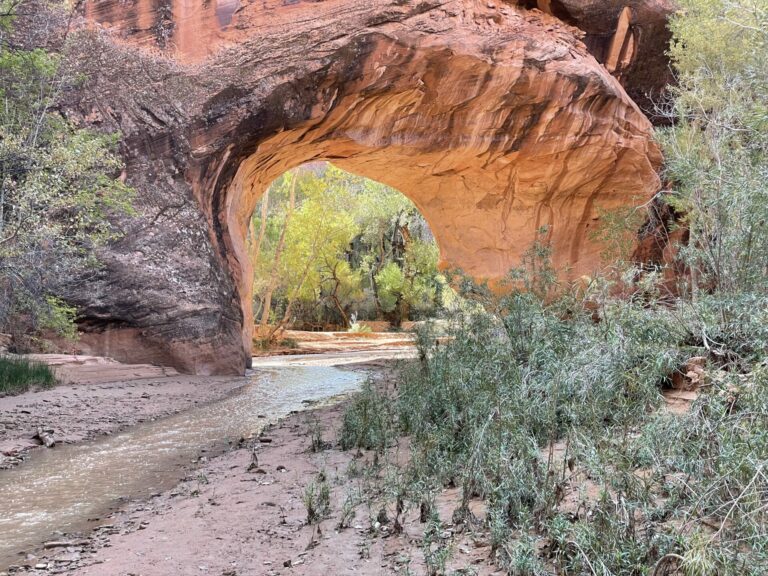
317	241
717	150
345	233
415	285
58	188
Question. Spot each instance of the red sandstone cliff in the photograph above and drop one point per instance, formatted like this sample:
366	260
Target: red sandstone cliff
495	118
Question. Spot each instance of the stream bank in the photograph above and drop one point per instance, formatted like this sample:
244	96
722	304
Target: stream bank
65	496
99	396
239	516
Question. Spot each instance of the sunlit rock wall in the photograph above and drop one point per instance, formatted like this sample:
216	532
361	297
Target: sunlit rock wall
495	119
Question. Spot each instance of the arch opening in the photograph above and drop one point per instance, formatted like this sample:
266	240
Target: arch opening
334	251
475	143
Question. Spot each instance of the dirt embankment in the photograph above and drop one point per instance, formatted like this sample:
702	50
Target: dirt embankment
99	396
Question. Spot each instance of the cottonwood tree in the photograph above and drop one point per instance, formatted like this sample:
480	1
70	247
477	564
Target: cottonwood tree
58	187
343	232
320	233
717	150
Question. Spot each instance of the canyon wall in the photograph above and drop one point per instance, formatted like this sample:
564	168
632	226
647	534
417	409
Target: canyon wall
495	118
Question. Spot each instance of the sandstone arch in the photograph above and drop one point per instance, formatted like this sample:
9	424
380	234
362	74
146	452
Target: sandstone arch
494	120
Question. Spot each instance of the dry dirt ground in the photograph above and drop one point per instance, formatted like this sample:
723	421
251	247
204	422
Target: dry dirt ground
243	514
99	396
305	342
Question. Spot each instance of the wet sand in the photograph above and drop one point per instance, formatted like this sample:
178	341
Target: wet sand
99	396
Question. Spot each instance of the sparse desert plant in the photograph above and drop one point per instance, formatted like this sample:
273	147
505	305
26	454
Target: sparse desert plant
348	509
317	499
436	548
317	444
368	421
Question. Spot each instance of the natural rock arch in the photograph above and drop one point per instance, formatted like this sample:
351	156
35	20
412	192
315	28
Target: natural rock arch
495	121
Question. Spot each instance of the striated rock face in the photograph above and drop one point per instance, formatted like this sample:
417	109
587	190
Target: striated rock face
494	119
629	37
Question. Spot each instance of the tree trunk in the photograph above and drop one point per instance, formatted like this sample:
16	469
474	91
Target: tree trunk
374	284
262	228
340	308
335	298
278	254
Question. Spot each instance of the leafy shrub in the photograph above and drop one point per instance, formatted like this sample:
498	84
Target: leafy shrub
368	421
521	405
59	186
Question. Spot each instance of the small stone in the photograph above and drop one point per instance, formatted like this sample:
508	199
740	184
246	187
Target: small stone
57	544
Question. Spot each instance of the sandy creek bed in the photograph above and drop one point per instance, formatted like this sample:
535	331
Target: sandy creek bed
73	487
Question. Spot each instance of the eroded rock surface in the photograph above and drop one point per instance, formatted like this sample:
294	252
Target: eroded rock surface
496	120
629	37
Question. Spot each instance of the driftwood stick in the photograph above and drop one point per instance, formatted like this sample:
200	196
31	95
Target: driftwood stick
45	435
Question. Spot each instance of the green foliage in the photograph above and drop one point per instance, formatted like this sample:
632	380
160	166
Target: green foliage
412	286
391	285
722	444
346	243
524	407
538	400
534	375
368	421
58	192
18	374
717	150
59	317
616	234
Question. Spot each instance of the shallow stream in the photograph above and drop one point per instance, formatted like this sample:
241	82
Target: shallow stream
68	488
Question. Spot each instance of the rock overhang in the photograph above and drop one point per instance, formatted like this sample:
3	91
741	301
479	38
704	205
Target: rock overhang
494	120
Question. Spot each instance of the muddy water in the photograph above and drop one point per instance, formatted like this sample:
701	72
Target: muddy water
67	488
